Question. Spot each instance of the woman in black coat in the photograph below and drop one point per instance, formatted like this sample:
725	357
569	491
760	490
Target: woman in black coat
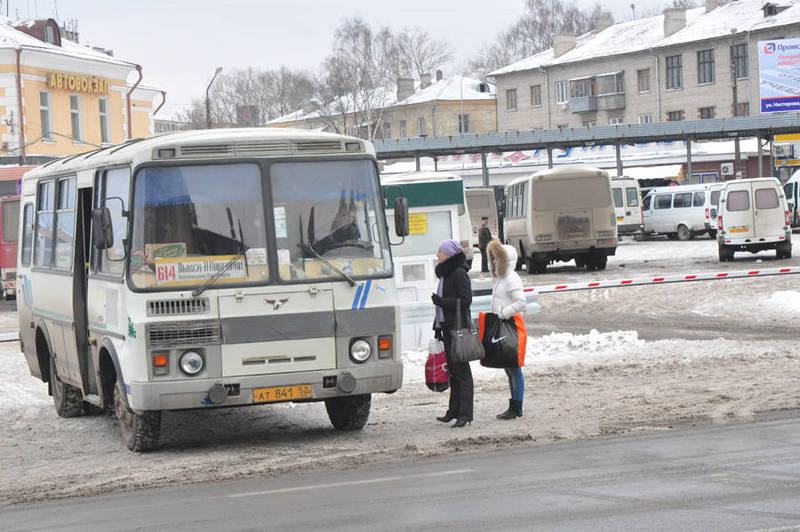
454	285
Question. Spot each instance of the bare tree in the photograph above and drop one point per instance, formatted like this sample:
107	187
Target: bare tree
421	53
534	32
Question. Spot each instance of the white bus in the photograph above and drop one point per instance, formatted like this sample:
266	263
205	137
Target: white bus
209	269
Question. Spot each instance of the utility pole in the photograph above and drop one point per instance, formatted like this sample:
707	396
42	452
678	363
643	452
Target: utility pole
736	150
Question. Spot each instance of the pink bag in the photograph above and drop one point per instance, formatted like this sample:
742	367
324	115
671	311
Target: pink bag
436	367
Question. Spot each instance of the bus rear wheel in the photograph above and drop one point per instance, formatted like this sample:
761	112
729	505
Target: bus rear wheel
66	398
350	412
140	432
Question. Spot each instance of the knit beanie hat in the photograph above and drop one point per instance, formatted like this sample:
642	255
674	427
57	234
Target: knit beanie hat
450	247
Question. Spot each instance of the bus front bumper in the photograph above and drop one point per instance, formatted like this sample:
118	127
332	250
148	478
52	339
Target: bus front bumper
187	394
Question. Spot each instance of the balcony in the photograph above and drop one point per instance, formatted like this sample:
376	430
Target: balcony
583	104
611	101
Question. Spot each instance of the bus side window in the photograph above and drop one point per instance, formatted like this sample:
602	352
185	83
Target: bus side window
112	184
43	247
27	234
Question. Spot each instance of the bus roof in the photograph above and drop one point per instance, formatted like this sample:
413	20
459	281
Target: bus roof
562	172
209	145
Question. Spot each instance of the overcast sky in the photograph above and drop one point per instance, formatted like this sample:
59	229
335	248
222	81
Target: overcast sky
179	43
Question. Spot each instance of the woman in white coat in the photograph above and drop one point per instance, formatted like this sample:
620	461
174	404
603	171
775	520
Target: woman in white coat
508	299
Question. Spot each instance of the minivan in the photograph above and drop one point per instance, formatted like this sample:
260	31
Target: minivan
627	205
680	211
792	192
752	217
561	214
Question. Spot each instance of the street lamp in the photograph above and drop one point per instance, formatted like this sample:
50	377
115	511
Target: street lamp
208	106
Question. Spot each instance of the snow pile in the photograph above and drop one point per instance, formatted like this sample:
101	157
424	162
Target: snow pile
786	299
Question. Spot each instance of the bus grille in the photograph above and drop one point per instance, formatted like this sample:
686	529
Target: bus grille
316	146
207	149
177	307
183	333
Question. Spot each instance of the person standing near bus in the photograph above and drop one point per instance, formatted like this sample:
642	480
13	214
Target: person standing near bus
454	288
484	237
508	299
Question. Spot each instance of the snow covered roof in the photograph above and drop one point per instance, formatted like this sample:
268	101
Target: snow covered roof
740	16
13	38
453	88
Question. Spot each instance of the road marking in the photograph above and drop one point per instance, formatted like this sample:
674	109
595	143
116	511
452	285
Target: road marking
350	483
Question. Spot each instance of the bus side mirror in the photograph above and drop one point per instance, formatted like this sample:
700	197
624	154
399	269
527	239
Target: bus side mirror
401	216
102	229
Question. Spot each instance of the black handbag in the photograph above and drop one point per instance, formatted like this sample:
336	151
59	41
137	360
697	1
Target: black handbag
465	343
504	341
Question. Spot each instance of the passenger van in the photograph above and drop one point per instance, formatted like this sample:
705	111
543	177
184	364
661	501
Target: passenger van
9	234
752	217
680	211
561	214
482	202
205	269
792	192
627	205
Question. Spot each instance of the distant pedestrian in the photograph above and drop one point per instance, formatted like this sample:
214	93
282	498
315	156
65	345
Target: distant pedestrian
508	299
484	237
454	288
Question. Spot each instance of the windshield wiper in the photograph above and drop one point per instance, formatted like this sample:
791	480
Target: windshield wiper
211	280
309	247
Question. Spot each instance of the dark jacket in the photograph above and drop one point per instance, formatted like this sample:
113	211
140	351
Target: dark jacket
484	237
456	285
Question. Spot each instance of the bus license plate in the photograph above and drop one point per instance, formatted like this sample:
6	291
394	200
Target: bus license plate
282	393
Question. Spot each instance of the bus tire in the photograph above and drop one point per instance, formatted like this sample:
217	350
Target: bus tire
67	399
784	250
140	432
683	233
349	412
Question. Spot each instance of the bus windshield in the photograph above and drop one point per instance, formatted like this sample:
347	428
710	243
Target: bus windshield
328	209
191	223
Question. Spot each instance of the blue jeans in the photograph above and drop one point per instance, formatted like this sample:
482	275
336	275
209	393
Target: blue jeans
516	382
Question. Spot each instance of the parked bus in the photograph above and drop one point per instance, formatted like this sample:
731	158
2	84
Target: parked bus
561	214
210	269
9	218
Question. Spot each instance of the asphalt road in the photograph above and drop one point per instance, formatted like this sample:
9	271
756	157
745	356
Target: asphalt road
734	477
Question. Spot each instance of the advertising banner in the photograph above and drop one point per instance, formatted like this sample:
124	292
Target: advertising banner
779	75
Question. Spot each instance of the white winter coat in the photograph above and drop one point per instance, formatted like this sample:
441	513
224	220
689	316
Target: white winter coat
508	297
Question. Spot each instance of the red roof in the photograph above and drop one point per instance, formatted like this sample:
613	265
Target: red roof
13	173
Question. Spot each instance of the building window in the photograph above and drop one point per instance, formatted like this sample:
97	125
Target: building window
615	121
403	131
739	56
75	114
589	123
743	109
511	99
582	88
421	126
387	130
643	80
705	113
674	116
463	123
646	118
563	126
705	66
611	84
674	72
562	94
45	116
536	96
49	34
105	137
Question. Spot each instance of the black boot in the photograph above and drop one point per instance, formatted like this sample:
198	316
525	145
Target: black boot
514	410
447	418
461	422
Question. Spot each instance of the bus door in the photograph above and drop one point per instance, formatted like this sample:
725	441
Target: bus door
27	329
80	288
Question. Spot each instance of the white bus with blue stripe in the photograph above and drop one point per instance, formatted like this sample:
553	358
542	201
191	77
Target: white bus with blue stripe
209	269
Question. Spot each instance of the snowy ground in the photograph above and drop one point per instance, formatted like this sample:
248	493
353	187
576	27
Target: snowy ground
599	362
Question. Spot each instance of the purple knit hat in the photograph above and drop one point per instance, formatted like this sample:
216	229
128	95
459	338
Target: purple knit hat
450	247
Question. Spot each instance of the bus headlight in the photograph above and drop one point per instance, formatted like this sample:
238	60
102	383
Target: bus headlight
360	350
191	363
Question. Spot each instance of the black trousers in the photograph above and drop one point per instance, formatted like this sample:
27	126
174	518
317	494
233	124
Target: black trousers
461	386
484	261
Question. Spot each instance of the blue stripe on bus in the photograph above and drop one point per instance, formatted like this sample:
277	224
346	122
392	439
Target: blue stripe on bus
366	294
358	294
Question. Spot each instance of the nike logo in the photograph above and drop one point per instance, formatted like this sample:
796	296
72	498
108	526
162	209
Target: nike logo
495	340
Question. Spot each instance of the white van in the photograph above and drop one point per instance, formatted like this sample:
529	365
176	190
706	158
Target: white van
627	205
712	207
792	192
561	214
481	202
677	211
752	217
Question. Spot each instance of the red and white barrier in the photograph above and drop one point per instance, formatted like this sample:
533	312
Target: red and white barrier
711	276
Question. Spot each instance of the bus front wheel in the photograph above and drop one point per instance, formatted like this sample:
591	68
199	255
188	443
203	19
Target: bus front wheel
349	412
140	432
